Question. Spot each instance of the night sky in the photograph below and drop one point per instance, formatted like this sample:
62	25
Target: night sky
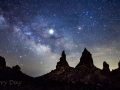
33	33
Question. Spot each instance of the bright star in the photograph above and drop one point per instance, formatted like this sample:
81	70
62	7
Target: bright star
51	31
79	28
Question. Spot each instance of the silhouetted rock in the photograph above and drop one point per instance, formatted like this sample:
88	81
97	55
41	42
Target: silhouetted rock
84	73
86	59
105	70
13	77
106	67
2	62
62	64
16	68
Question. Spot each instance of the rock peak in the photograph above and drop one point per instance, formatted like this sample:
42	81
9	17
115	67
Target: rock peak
62	64
105	64
16	68
105	69
86	51
86	59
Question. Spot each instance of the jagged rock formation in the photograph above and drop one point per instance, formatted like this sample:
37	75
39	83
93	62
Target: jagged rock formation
105	68
105	71
11	78
16	68
85	76
62	65
84	72
2	62
86	59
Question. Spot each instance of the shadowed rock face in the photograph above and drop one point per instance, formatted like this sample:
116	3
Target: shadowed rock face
86	59
2	62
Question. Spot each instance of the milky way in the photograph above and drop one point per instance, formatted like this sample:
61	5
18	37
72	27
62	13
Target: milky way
33	33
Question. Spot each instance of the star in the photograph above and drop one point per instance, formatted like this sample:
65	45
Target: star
79	28
51	31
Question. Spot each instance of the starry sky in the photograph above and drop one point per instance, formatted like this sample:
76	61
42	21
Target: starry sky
33	33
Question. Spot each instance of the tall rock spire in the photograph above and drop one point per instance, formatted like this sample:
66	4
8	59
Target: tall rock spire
106	66
62	64
86	59
63	54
